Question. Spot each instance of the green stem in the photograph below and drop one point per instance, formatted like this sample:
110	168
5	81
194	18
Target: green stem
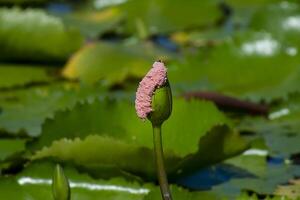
159	159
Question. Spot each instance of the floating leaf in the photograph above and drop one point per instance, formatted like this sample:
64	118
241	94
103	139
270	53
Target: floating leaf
35	183
239	67
247	3
118	121
93	23
33	35
111	63
254	160
266	185
179	193
24	111
9	147
282	20
20	75
280	130
164	16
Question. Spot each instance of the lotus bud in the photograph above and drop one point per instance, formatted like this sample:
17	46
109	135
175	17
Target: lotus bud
60	185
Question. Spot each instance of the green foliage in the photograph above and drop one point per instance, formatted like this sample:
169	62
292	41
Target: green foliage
23	111
248	65
82	115
163	16
111	63
20	75
118	122
279	19
10	147
34	35
35	183
93	23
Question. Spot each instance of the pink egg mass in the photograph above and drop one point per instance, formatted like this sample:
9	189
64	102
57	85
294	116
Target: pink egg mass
154	79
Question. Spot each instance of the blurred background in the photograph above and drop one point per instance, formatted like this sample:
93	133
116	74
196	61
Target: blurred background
68	76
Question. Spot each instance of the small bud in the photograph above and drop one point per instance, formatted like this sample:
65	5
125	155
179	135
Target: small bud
60	184
161	105
153	97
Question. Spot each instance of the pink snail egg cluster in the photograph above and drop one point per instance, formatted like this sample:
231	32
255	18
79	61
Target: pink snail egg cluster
154	79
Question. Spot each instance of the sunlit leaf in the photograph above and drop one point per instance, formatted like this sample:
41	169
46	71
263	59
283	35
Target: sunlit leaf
282	20
162	16
254	160
9	147
111	63
33	35
34	183
24	111
93	23
239	67
118	121
20	75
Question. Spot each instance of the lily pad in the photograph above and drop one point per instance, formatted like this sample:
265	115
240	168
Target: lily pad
10	147
92	23
281	19
239	66
280	130
118	122
164	16
35	183
23	111
20	75
34	35
111	63
276	174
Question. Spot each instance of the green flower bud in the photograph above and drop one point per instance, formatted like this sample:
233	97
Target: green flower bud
60	184
161	105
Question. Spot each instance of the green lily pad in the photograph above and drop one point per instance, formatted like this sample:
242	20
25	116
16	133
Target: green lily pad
254	160
93	23
247	3
35	183
33	35
281	19
266	185
118	122
280	130
9	147
239	66
179	193
111	63
23	111
163	16
20	75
